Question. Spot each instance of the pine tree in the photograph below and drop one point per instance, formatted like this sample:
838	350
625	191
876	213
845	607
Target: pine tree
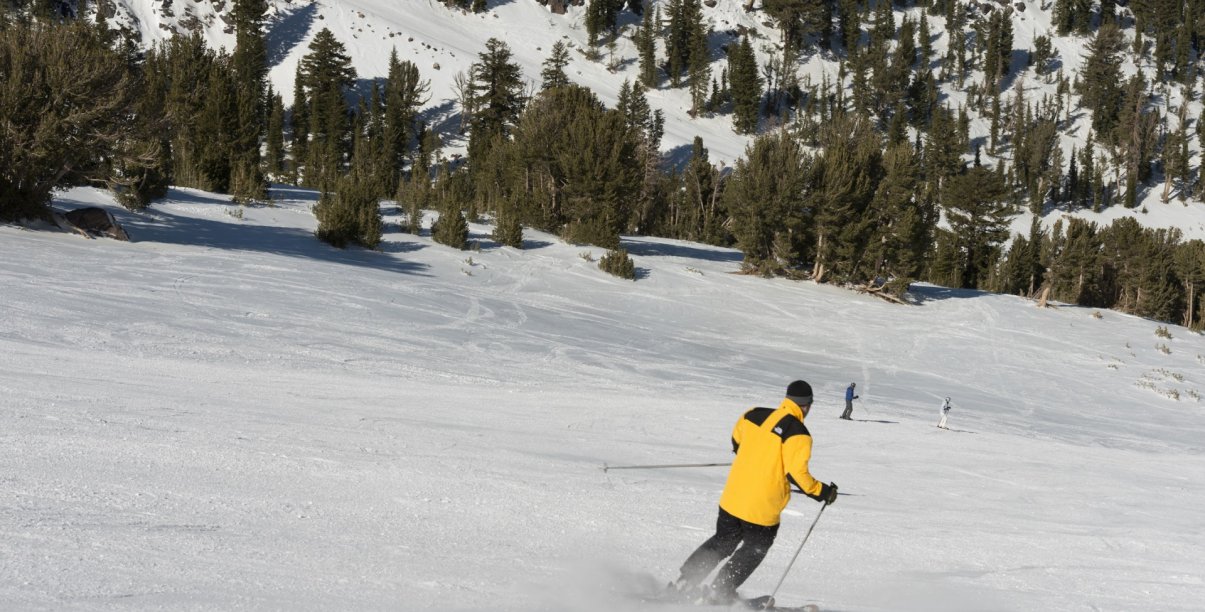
507	230
942	151
977	208
699	63
250	67
900	224
646	47
848	170
326	73
218	121
601	15
140	165
1190	269
350	214
554	67
1100	88
746	87
497	88
274	138
686	42
299	125
765	198
617	263
451	228
926	41
405	93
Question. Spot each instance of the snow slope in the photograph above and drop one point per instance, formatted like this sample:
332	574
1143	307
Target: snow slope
227	414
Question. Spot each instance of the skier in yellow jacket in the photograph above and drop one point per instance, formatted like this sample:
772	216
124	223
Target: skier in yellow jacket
772	449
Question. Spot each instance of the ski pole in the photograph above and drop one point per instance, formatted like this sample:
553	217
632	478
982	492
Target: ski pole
657	467
770	602
864	405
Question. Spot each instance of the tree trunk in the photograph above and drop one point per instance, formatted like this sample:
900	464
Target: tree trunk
818	266
1190	290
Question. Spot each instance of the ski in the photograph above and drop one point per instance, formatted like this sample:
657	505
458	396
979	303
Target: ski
766	602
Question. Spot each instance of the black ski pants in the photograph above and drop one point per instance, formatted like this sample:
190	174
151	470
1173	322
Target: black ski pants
754	542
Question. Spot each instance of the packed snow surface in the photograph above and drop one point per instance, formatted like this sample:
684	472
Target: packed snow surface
227	414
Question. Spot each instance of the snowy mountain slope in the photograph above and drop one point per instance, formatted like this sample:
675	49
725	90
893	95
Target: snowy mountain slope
227	414
444	43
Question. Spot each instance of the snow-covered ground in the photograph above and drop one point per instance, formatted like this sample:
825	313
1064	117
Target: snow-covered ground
227	414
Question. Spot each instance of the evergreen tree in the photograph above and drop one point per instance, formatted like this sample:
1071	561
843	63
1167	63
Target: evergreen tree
925	38
217	122
299	126
601	15
140	165
900	224
554	67
507	230
578	166
326	73
1021	272
351	213
1190	269
250	67
746	87
1158	295
1135	137
1074	264
977	208
1100	84
646	47
617	263
405	93
275	148
686	42
851	25
999	49
847	170
451	228
699	63
647	127
765	198
497	88
942	151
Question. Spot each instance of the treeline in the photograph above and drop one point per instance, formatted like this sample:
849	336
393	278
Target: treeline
852	188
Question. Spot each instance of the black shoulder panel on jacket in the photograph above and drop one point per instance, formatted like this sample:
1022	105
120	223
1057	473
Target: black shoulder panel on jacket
790	426
757	416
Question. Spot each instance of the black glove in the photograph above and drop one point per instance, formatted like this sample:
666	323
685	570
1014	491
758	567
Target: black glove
828	493
855	397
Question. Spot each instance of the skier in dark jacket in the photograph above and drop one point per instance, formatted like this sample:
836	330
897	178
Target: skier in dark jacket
849	401
772	449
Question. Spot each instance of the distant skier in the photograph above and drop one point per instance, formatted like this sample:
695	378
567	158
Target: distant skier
772	449
849	401
945	411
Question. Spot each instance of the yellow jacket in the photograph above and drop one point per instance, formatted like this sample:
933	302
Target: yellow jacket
772	451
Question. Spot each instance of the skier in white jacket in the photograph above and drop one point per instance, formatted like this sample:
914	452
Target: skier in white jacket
945	411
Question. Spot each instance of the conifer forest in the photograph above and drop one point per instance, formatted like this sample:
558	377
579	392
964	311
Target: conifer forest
870	177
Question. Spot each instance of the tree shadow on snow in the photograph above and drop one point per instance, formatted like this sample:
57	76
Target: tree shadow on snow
642	248
287	31
158	225
933	293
